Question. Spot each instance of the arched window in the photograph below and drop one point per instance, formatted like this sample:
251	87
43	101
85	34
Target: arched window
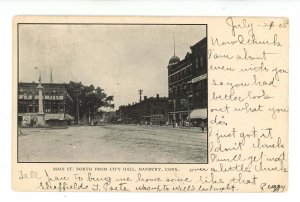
25	96
29	96
183	89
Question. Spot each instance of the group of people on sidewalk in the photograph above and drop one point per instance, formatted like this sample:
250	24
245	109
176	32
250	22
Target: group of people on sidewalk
193	124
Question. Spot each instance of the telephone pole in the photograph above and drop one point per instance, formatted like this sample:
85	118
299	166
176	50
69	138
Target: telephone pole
140	93
51	78
77	107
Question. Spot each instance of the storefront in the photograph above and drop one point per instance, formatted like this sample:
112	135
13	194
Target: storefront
198	117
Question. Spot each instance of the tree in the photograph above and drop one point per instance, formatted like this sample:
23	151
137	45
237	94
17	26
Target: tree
88	100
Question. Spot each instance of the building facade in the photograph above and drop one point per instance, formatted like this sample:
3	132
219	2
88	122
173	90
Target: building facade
149	111
187	83
47	104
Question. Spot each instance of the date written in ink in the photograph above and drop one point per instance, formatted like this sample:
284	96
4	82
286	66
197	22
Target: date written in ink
28	175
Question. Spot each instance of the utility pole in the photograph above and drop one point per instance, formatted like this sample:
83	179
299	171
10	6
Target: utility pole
188	105
51	78
174	114
89	115
140	93
77	107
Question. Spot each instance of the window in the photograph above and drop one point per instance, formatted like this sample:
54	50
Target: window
22	107
30	108
179	89
47	106
201	60
61	107
183	89
197	63
30	97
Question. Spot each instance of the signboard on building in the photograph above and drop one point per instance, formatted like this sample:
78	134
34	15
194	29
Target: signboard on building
199	78
157	119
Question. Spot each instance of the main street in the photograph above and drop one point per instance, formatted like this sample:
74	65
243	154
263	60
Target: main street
113	143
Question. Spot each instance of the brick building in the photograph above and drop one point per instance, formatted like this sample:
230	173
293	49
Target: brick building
187	82
44	104
153	110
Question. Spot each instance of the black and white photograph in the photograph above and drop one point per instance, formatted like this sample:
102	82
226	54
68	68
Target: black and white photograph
112	93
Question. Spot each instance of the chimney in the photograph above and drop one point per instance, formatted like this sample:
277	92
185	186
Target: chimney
157	96
145	97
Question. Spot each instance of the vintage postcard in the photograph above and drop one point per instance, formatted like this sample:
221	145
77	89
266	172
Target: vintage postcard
150	104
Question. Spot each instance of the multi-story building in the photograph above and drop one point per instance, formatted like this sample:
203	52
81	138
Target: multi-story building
187	80
150	111
44	104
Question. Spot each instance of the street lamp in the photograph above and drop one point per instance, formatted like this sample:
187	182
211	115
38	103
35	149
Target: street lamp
174	113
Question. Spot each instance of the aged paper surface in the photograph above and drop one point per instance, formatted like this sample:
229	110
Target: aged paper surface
239	145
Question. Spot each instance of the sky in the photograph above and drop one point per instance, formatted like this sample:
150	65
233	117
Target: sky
121	59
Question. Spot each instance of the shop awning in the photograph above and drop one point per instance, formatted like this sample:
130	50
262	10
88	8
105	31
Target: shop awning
60	117
54	117
198	114
68	117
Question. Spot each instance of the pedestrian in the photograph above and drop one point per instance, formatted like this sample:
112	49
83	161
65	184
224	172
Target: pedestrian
202	126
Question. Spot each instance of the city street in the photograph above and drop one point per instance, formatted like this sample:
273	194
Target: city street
113	143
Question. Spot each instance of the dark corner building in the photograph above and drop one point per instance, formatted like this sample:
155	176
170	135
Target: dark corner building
150	111
187	80
44	104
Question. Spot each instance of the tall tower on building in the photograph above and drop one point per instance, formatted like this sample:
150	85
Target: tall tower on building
172	63
174	59
174	42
